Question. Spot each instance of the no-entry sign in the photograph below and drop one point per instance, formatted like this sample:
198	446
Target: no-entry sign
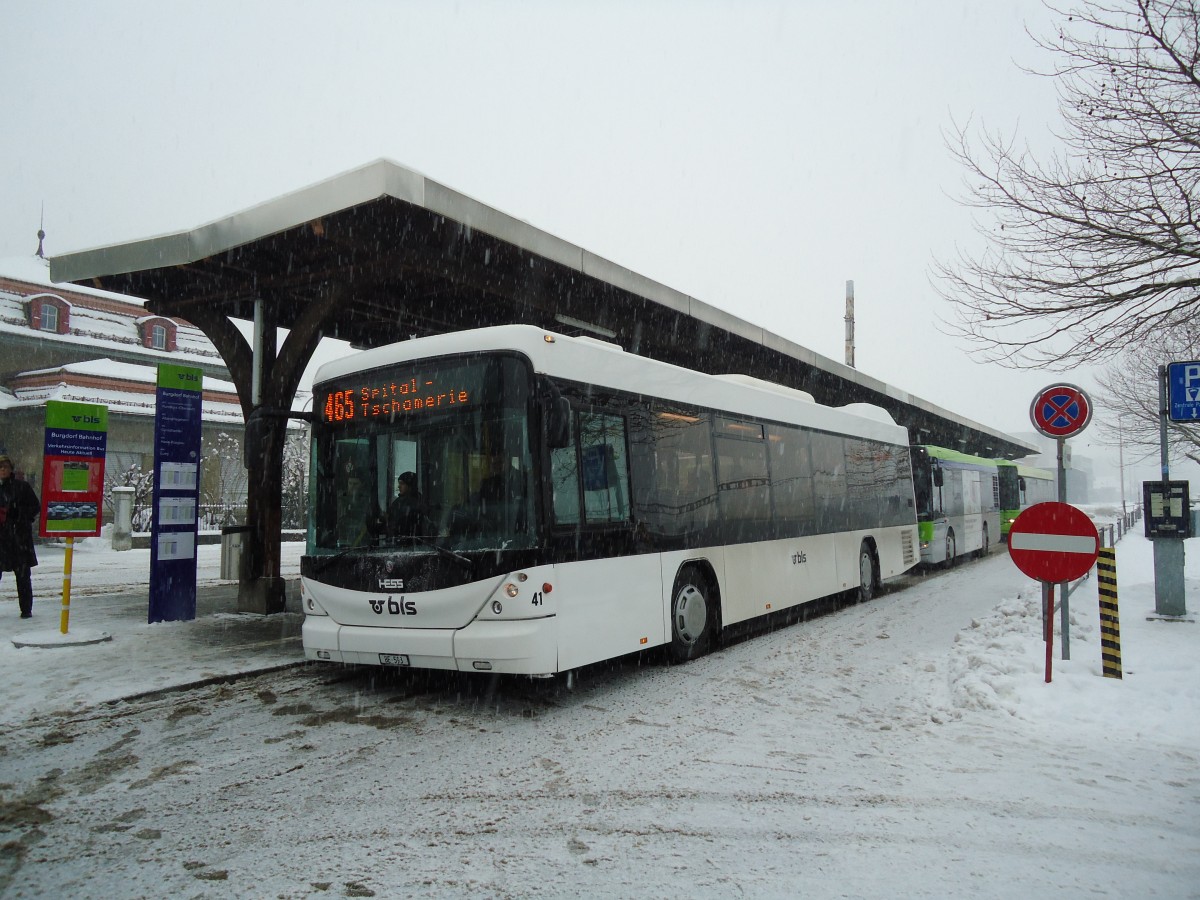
1053	542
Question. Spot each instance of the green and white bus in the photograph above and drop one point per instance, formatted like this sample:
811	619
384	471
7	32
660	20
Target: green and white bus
576	503
1022	486
958	503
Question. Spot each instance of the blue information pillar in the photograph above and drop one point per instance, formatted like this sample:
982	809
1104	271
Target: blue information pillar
177	422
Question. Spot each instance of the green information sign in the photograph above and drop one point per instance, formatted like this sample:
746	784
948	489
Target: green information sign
180	378
73	469
76	416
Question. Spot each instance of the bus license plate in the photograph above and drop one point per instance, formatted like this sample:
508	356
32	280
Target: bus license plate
393	659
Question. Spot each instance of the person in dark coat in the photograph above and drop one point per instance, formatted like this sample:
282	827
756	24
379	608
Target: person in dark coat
19	508
406	514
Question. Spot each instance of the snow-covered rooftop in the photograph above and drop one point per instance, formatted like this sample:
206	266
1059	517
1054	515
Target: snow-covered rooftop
109	323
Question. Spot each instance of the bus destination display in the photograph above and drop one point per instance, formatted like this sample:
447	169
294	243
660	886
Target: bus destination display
391	398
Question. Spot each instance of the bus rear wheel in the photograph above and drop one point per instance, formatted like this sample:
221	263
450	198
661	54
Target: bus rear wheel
951	549
867	580
693	616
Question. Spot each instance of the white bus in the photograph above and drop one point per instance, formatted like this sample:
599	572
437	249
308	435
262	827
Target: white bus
578	503
1021	487
958	503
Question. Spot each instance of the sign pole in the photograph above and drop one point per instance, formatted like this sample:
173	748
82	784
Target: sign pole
1061	411
1045	608
1049	629
65	618
1163	456
1053	543
1110	617
1065	588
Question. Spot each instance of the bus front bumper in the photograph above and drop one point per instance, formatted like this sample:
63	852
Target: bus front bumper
522	647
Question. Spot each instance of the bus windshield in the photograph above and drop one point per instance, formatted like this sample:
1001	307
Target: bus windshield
432	452
928	496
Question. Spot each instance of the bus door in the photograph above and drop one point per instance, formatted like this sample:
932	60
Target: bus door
972	511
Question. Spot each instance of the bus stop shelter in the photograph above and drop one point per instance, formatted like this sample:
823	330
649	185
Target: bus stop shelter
381	253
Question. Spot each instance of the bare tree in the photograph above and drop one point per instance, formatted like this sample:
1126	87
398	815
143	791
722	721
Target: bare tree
222	480
1130	416
295	480
1095	249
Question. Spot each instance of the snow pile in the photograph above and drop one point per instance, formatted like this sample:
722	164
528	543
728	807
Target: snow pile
1000	652
998	661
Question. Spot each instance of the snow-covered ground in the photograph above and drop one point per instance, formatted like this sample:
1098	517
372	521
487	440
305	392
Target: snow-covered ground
110	597
905	747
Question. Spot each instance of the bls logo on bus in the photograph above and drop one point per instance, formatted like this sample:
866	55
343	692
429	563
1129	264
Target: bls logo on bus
399	607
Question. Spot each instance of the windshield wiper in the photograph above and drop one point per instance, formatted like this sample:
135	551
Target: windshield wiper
445	551
330	560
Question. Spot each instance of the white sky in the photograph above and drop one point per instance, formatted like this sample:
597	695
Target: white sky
756	155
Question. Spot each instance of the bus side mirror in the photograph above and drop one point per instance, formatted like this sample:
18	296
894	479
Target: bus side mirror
938	479
556	414
558	423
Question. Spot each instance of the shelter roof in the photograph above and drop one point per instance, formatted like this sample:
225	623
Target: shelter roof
398	254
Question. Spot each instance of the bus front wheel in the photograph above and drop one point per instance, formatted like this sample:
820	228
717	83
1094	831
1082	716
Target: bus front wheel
867	581
693	616
950	550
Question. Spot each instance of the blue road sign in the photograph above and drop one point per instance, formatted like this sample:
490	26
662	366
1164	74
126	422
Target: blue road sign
1061	411
1183	391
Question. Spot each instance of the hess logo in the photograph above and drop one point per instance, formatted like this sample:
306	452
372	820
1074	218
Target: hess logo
391	584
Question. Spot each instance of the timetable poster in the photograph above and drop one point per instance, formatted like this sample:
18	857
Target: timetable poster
73	469
177	420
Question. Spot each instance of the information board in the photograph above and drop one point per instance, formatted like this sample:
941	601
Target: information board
1166	505
177	426
73	469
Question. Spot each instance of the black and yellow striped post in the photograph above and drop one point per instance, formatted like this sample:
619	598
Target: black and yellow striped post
1110	619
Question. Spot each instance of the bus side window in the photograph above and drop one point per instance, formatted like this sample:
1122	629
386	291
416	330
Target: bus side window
605	467
829	481
676	489
744	490
791	481
564	479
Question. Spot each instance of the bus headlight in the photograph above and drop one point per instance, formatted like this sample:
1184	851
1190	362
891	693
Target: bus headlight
511	589
497	607
309	604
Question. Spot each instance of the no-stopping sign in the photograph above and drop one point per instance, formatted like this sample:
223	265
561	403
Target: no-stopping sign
1061	410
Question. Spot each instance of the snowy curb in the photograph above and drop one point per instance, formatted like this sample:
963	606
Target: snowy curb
48	639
